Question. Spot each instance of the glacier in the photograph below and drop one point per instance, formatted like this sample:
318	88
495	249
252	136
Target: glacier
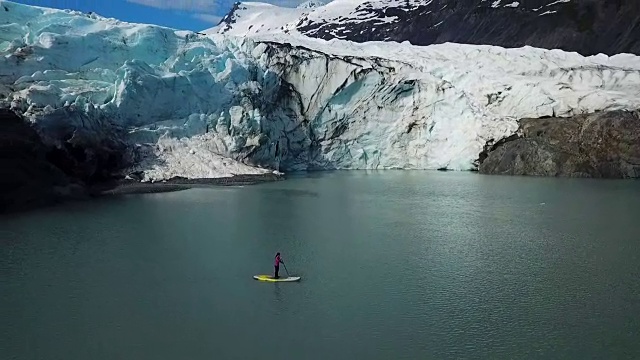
182	104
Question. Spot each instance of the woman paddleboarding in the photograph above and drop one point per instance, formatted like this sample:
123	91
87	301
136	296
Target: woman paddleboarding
276	265
276	277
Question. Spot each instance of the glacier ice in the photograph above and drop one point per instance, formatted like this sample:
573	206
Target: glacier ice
191	105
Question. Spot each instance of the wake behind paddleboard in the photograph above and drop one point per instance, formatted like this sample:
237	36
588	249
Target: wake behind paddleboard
272	279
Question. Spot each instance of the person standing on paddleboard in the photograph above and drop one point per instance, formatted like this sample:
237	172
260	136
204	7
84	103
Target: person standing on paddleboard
276	265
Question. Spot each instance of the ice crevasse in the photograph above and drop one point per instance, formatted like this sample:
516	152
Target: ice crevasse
178	103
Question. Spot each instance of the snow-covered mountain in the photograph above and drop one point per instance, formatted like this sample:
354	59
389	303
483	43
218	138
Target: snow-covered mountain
312	4
257	18
586	26
174	103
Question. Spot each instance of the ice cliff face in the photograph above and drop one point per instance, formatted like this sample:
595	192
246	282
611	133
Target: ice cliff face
98	86
585	26
410	107
167	103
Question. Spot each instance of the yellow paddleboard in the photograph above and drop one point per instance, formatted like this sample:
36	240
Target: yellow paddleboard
272	279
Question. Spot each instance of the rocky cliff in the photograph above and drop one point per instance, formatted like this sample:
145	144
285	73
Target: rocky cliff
598	145
28	174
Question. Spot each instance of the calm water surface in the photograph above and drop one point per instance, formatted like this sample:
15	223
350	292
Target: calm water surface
395	265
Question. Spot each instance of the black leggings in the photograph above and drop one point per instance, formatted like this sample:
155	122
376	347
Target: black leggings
277	268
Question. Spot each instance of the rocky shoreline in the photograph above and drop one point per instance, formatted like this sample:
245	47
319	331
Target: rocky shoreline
127	187
77	192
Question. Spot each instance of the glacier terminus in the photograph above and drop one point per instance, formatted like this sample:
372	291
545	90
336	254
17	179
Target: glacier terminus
165	103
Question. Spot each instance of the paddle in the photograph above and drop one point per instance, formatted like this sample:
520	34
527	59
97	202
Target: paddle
285	269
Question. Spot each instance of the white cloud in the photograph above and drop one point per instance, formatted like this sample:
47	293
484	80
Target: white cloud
210	11
206	6
213	19
187	5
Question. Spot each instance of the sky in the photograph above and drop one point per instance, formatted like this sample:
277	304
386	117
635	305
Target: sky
193	15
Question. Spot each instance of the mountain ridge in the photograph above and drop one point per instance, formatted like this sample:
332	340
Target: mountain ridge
588	27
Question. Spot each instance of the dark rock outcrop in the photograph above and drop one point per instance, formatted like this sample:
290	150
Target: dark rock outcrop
598	145
27	176
85	147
